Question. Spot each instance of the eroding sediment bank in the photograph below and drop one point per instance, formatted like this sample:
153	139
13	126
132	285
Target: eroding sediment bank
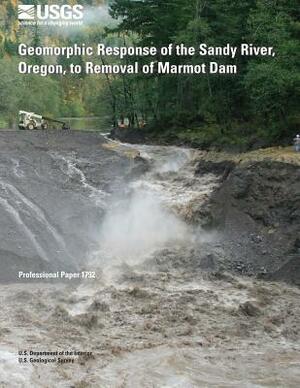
169	233
257	208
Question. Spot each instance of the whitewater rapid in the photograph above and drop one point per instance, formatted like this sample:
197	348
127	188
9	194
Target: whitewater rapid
153	317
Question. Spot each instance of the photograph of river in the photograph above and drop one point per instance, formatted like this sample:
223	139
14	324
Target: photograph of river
150	223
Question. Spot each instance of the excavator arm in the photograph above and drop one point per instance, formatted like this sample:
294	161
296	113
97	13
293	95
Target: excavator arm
63	123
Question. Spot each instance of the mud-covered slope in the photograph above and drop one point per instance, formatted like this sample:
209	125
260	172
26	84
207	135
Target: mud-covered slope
53	187
257	208
159	311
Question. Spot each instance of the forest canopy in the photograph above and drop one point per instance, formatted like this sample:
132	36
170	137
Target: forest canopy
259	104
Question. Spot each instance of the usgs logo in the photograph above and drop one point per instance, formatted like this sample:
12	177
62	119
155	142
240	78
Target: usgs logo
50	12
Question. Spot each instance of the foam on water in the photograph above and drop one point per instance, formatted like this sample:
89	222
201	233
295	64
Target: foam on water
12	376
147	326
145	219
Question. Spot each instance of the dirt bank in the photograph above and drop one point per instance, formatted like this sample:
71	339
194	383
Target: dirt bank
163	309
55	187
257	209
204	138
52	190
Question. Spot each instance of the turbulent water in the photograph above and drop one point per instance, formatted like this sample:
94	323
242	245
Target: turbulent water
153	317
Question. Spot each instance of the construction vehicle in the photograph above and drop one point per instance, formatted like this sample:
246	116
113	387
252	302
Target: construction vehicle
30	121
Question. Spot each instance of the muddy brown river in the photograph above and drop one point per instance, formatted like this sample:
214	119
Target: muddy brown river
159	312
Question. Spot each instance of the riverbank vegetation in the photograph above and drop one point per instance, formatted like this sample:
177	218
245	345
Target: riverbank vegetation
256	107
53	95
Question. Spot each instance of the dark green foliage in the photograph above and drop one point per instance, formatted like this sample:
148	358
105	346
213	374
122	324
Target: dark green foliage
260	105
261	101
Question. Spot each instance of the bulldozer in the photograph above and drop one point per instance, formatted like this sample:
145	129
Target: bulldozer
31	121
